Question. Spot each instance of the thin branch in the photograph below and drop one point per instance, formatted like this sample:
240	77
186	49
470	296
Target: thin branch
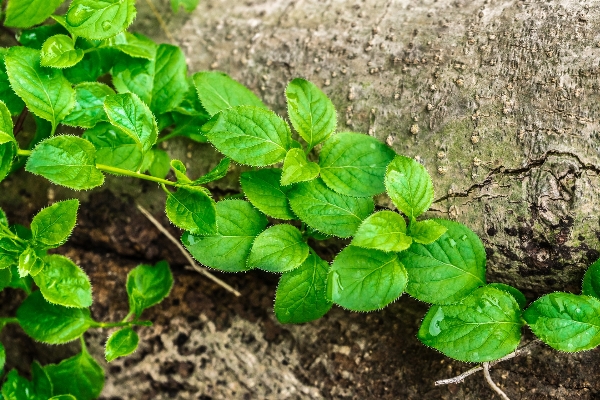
490	381
161	21
198	268
459	378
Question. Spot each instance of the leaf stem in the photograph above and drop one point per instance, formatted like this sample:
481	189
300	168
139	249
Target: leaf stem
119	171
22	152
120	324
8	320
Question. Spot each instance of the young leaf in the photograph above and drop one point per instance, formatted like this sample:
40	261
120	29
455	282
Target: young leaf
384	230
64	283
565	322
409	186
17	282
191	209
45	90
59	52
51	323
180	170
158	163
426	232
30	263
238	224
42	386
67	161
280	248
218	92
27	13
302	293
9	97
591	280
365	279
128	113
79	376
89	106
8	144
264	191
35	37
121	343
133	44
114	147
93	19
250	135
484	326
53	225
188	5
514	292
2	358
148	285
218	172
296	168
448	269
327	211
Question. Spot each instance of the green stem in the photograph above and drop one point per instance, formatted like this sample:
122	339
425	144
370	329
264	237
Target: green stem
128	316
8	320
121	324
83	346
21	152
119	171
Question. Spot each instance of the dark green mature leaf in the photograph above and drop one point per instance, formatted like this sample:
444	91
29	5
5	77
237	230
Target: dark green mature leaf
296	168
426	232
128	113
133	44
89	106
67	161
302	293
64	283
514	292
8	144
148	285
40	381
46	91
238	224
79	376
591	280
30	263
114	147
99	19
10	251
447	270
365	279
59	52
17	387
51	323
384	230
565	321
191	209
17	282
280	248
2	358
121	343
52	226
35	37
5	279
218	92
327	211
9	97
409	186
264	191
27	13
188	5
93	65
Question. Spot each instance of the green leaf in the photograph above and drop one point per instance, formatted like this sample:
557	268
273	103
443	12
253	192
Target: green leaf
128	113
133	44
67	161
514	292
484	326
5	279
9	97
99	19
591	280
189	127
250	135
121	343
565	321
63	397
17	387
27	13
192	210
52	226
218	172
302	293
3	218
280	248
45	90
312	114
35	37
409	186
94	64
64	283
218	92
158	163
59	52
40	380
188	5
327	211
79	376
114	147
89	106
8	144
426	232
51	323
448	269
264	191
238	224
384	230
365	279
30	263
180	170
2	357
148	285
296	168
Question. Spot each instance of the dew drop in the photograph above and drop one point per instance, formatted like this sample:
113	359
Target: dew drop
434	327
106	25
463	237
452	242
79	14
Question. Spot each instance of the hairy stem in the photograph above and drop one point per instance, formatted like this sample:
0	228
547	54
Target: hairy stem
119	171
121	324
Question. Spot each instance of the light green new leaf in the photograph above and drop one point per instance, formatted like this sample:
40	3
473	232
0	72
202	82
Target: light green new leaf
114	147
591	280
157	162
133	44
99	19
128	113
384	230
30	263
67	161
59	52
365	279
296	168
312	114
218	172
264	191
64	283
121	343
46	91
148	285
280	248
188	5
514	292
52	226
191	209
484	326
218	92
565	321
426	232
28	13
302	293
51	323
327	211
409	186
89	106
7	95
448	269
238	224
8	144
79	376
180	170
